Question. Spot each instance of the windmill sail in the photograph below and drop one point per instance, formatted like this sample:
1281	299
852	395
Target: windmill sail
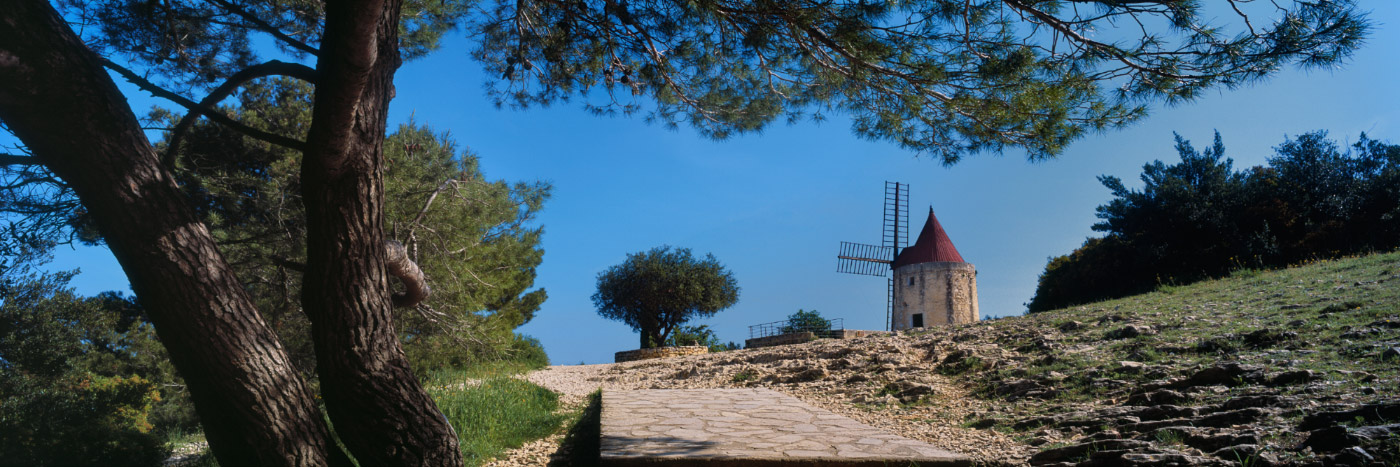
876	260
859	258
896	223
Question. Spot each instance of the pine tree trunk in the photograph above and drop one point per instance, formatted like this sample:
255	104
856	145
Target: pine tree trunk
57	98
379	410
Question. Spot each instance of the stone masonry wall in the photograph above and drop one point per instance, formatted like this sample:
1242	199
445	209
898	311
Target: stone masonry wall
945	292
800	337
855	334
659	352
780	339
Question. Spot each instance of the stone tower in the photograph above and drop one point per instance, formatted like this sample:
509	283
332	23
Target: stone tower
932	283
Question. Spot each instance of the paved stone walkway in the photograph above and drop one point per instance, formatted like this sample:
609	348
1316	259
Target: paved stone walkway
750	427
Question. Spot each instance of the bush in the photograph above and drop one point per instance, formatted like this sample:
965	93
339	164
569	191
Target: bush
699	335
77	420
83	379
1101	269
693	335
806	321
528	350
446	353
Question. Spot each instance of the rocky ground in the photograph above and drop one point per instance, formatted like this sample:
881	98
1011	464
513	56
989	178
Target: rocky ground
1294	367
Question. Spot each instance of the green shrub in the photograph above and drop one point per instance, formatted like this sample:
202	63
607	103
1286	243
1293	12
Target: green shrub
528	350
83	380
77	420
806	321
696	335
725	347
444	353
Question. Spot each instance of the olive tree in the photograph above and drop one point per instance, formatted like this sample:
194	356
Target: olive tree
657	290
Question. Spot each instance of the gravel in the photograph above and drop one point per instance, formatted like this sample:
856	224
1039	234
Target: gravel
852	378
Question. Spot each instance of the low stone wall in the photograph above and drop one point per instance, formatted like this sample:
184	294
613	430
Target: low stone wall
780	339
800	337
854	334
659	352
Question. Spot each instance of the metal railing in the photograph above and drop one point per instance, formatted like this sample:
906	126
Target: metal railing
776	328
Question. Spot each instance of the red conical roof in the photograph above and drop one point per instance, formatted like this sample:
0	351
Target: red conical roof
932	246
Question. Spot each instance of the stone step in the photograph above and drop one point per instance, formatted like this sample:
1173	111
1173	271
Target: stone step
746	427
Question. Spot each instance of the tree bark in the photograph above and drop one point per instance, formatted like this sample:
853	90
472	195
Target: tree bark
647	329
379	410
56	97
400	266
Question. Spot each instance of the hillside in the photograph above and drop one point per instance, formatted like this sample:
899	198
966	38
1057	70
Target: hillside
1292	367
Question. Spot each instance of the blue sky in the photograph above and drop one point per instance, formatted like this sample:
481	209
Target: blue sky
774	206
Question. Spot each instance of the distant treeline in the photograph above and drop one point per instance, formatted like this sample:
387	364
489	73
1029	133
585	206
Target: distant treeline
1200	218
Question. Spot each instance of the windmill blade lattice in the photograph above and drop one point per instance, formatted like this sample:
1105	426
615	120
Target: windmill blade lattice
868	260
896	223
872	260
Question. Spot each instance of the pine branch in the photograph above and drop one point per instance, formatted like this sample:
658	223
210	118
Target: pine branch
271	68
429	203
212	114
266	27
289	264
12	159
400	266
1112	51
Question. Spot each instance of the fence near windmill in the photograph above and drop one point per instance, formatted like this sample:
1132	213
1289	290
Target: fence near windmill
787	332
778	328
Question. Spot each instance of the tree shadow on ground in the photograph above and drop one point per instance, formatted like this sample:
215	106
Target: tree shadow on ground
580	446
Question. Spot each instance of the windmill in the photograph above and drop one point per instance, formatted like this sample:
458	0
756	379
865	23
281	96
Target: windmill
872	260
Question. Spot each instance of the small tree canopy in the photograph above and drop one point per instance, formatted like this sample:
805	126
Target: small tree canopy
806	321
657	290
695	335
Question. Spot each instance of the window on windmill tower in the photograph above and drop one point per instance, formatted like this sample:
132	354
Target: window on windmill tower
918	320
911	281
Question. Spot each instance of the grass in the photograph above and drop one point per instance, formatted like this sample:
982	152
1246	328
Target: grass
1169	437
178	439
964	365
495	414
491	411
481	371
1334	317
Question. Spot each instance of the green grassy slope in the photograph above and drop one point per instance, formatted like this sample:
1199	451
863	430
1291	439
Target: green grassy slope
1291	366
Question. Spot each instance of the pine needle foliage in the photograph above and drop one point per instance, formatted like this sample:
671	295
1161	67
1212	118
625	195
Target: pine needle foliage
1200	218
944	78
475	239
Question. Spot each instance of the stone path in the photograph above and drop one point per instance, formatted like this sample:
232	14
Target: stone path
751	427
